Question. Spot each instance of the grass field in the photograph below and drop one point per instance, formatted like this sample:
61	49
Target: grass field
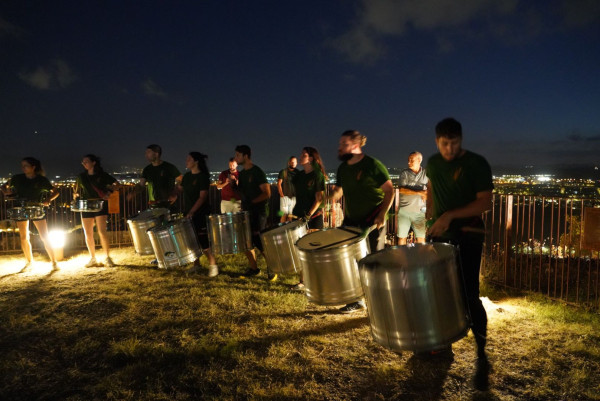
135	332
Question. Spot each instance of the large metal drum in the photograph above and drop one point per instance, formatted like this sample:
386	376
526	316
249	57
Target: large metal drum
414	297
87	205
174	243
279	246
329	260
229	233
141	223
22	213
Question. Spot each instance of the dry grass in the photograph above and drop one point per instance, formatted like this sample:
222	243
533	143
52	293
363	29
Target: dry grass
139	333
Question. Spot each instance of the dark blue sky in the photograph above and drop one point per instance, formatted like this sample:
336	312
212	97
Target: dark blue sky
110	77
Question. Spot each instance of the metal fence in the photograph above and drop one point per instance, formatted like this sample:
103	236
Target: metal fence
532	243
60	217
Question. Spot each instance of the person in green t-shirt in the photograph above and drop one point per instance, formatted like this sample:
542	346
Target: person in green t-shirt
95	183
195	185
460	191
256	193
368	192
287	193
33	188
309	187
161	177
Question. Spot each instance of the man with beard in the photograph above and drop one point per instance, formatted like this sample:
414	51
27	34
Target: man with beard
365	183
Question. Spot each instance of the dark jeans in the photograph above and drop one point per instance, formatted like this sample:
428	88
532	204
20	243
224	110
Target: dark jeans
469	263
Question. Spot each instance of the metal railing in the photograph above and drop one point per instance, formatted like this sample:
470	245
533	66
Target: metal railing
534	243
531	243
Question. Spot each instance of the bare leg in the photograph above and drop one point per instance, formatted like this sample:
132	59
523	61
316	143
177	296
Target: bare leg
251	255
88	229
210	257
402	241
25	243
102	232
420	240
42	228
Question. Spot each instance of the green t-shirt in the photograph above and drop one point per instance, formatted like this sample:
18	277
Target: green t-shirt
94	186
30	189
287	177
455	184
249	185
307	186
192	185
161	180
362	183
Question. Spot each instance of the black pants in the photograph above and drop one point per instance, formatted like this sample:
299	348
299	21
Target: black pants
469	263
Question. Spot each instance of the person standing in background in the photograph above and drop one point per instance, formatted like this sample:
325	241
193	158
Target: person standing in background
412	185
95	183
287	194
32	187
228	181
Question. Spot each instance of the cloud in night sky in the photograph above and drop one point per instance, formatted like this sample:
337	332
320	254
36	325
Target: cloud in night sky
53	76
151	88
9	30
510	22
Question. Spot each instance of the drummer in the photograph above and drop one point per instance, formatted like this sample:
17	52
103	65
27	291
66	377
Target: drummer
32	186
95	183
161	177
256	193
365	183
195	185
309	186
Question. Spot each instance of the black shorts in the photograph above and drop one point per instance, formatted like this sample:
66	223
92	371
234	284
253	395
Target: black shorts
103	212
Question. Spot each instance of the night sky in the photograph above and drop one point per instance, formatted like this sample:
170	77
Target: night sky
110	77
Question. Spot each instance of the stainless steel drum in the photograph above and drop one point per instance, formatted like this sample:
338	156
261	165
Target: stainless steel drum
414	297
139	225
229	233
87	205
279	246
329	261
22	213
174	243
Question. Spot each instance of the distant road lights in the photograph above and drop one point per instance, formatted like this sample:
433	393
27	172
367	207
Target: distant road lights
57	242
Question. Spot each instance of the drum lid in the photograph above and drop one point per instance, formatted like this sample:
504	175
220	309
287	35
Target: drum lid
332	237
150	214
283	227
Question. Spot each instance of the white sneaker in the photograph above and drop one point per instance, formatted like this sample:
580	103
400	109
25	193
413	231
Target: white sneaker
55	266
92	263
213	271
109	262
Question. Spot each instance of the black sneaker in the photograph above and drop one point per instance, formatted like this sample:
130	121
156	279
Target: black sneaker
250	273
353	307
481	379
